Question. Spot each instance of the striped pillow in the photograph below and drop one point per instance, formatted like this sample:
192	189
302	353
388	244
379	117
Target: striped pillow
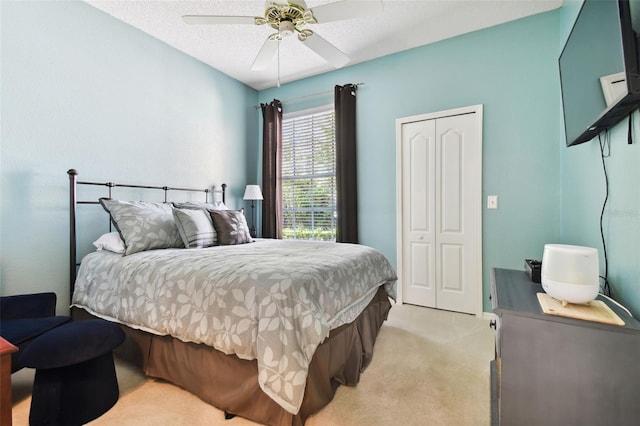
218	205
195	227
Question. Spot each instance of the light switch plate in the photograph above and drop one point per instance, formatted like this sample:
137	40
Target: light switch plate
492	202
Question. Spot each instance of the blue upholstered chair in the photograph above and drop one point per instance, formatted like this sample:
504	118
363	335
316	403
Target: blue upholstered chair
25	317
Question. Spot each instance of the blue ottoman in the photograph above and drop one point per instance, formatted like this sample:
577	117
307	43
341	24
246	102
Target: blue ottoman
75	378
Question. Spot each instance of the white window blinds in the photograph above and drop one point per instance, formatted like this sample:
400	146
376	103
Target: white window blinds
309	175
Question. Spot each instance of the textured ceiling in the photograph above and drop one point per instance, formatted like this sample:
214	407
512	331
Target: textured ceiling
232	49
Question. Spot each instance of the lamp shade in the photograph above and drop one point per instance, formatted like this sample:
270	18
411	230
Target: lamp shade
252	192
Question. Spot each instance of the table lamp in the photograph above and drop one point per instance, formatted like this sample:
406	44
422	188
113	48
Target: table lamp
253	193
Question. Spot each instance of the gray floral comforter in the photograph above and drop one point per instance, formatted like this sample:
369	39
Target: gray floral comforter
272	300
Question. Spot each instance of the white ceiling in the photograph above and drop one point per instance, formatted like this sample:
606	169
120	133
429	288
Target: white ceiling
404	24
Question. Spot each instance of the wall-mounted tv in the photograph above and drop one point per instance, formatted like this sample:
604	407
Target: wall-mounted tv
599	72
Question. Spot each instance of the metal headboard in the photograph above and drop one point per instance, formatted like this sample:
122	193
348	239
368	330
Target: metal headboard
73	203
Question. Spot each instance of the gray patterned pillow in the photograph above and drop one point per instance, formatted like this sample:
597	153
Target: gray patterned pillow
143	225
195	227
231	227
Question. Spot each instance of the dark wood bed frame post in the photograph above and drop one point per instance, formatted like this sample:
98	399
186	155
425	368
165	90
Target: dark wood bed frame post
72	230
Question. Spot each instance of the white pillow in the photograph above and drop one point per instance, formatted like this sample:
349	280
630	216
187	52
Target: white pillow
110	241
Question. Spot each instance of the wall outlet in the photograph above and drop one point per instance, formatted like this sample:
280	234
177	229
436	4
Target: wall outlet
492	202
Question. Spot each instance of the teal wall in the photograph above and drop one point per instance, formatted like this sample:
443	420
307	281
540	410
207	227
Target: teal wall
83	90
583	194
512	70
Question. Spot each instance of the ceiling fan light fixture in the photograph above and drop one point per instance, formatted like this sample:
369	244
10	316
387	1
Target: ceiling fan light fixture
295	13
286	28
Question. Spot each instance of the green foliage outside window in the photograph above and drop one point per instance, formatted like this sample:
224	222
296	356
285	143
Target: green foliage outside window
309	234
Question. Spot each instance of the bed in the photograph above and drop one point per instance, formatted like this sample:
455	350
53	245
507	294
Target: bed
264	329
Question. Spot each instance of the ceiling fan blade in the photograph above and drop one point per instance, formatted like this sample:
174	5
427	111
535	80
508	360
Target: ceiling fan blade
211	19
268	49
328	51
346	9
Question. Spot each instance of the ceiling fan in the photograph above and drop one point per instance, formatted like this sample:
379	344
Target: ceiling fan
292	16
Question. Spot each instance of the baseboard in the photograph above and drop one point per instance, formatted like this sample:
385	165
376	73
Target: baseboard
488	316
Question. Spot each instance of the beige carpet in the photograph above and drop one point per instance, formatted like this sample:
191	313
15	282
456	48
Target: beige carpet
429	367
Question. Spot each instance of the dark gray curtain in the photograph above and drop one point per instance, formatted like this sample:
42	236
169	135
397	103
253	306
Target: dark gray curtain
346	171
272	169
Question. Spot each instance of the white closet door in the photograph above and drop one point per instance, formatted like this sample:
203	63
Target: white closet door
418	186
440	211
455	210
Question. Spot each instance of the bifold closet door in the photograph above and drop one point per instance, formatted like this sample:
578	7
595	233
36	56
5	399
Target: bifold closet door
418	222
439	160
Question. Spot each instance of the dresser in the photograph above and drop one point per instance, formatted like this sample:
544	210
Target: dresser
550	370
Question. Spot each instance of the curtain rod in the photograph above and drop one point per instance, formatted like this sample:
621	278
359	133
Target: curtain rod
312	95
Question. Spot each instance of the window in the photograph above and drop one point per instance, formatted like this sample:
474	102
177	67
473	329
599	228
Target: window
309	174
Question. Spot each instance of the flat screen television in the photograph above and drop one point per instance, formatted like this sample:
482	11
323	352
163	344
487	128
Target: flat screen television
599	72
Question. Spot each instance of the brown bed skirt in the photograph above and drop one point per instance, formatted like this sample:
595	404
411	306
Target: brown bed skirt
231	384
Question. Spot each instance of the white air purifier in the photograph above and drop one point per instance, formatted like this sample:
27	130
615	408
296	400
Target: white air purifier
570	273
